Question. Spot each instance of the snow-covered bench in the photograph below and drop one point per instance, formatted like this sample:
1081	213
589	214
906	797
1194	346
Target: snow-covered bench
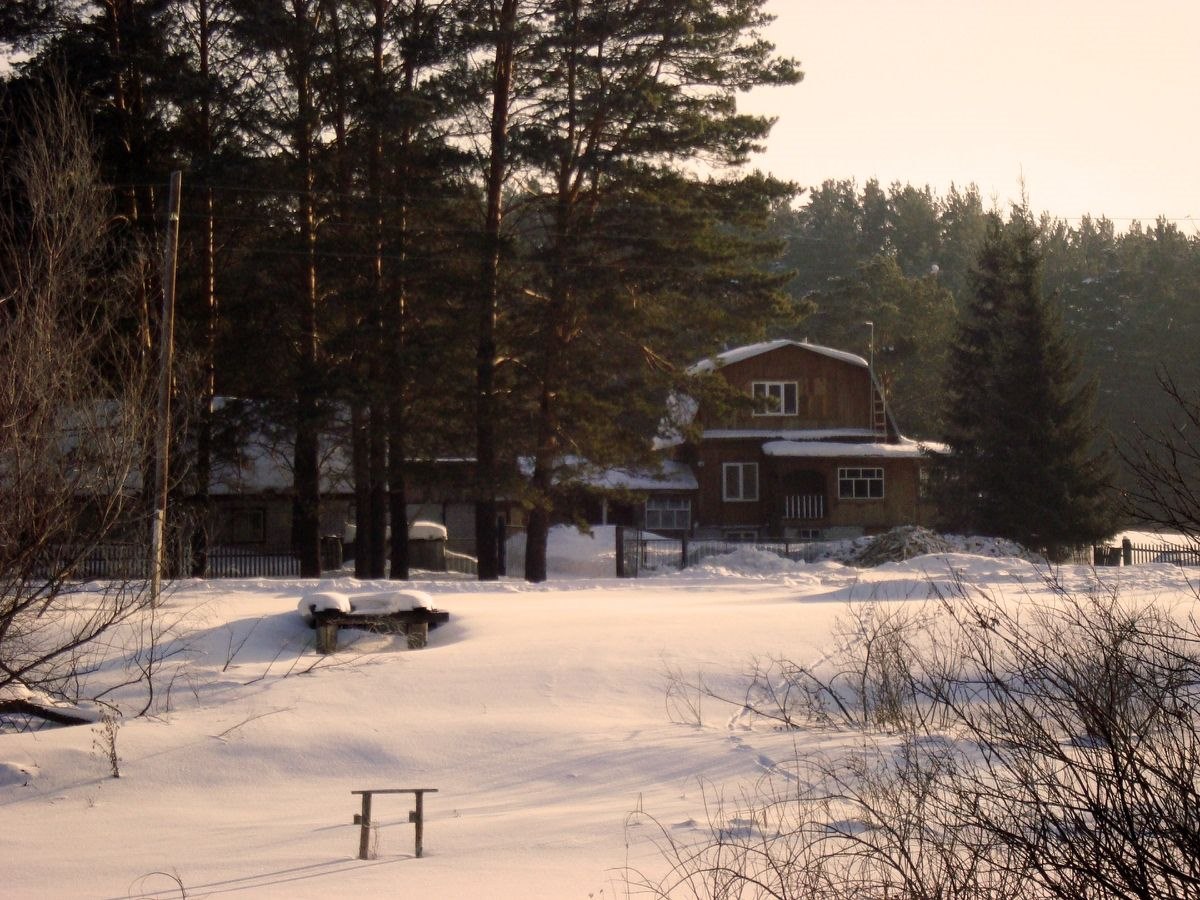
388	612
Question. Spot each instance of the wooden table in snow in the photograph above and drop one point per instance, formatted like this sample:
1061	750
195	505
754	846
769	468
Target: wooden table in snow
415	623
416	816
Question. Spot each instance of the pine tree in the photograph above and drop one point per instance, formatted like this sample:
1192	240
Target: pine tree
1022	460
624	103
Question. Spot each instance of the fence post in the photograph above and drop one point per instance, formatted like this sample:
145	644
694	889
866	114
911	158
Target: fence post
501	546
684	553
1127	551
620	548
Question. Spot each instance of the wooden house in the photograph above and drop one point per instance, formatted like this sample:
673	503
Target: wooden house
816	456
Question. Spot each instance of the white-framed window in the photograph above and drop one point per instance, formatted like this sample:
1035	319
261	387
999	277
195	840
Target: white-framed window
776	398
860	484
668	514
739	481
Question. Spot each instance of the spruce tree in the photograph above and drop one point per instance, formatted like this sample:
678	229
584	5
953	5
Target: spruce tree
1022	461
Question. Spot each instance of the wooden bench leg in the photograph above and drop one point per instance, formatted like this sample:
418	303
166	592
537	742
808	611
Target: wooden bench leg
418	818
418	635
326	638
364	835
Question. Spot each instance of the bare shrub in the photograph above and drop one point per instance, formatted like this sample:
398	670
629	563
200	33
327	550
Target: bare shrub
104	741
74	401
878	675
1040	750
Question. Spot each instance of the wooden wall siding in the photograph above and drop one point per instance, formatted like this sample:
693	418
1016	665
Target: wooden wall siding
277	519
832	393
711	508
901	504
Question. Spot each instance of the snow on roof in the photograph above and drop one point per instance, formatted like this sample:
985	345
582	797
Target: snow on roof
263	465
668	475
741	353
671	476
427	531
906	449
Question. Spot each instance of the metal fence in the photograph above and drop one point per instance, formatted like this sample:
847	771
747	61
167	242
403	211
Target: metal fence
641	553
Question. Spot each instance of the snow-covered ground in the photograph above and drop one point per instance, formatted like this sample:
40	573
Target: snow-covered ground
539	713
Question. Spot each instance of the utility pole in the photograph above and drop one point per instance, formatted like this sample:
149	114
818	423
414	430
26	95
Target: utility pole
871	376
166	353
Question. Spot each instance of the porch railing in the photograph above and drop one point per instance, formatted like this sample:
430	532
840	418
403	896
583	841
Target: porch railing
804	506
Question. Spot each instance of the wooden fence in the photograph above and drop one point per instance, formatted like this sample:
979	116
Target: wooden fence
1130	554
249	562
84	563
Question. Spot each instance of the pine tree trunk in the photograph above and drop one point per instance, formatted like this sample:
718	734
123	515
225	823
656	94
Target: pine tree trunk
306	465
397	496
486	472
378	513
541	482
360	455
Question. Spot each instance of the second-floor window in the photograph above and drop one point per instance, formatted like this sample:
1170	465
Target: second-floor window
775	398
740	481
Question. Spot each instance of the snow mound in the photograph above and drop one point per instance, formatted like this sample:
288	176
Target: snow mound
16	774
900	544
427	531
571	553
23	700
388	602
323	601
380	603
908	541
746	561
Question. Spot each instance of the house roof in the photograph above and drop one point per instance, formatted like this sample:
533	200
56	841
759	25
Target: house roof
738	354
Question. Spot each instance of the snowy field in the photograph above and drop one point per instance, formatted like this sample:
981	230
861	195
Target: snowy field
539	713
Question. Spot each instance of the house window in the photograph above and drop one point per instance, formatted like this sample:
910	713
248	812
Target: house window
247	526
776	398
740	481
860	484
668	513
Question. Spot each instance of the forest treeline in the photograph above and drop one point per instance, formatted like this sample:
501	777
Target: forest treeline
900	257
502	229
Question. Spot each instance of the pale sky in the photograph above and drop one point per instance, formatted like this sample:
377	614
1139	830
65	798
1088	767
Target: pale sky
1092	103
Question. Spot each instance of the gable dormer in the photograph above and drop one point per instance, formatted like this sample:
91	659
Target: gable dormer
799	386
